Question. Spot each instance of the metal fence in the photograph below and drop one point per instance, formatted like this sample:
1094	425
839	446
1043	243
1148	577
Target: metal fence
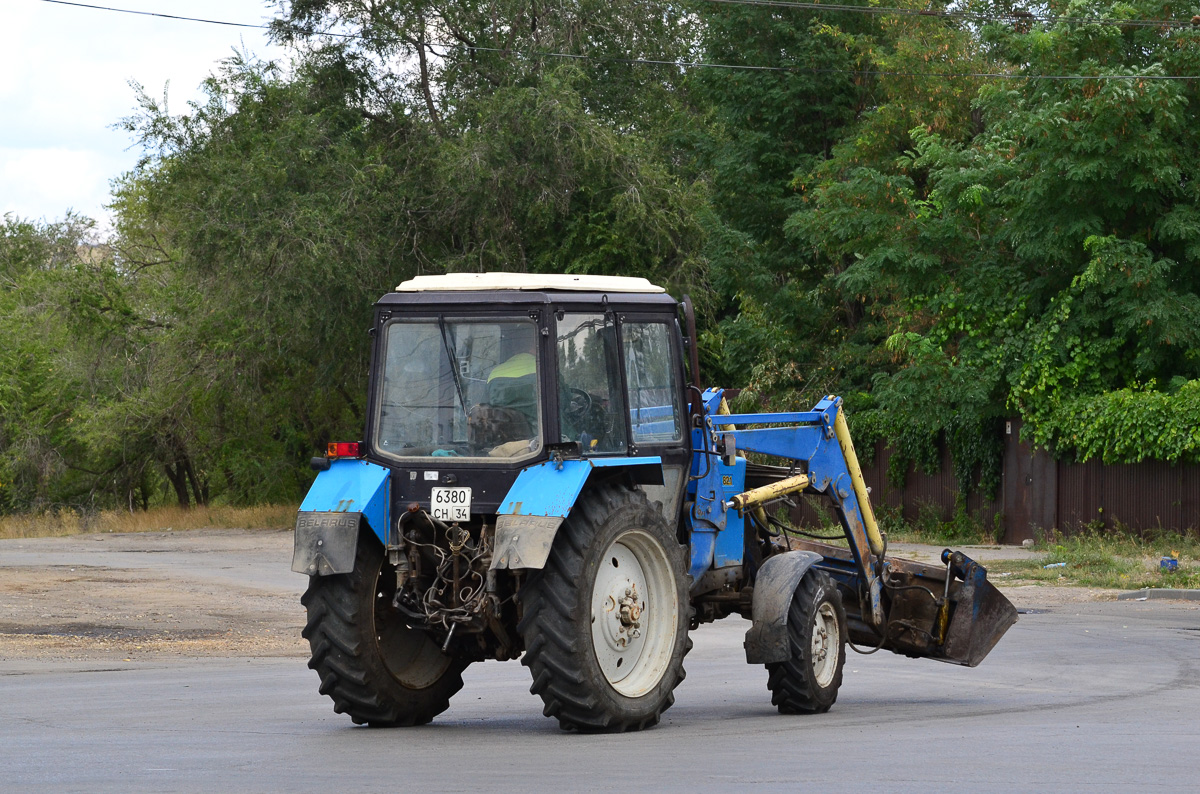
1039	493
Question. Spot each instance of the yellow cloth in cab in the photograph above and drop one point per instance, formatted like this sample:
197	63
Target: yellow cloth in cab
518	366
513	384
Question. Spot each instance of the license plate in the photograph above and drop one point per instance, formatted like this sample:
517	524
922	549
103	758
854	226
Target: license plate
451	504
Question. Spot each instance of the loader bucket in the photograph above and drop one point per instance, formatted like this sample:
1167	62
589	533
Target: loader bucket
960	627
981	613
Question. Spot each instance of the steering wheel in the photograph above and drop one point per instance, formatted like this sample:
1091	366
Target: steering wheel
577	406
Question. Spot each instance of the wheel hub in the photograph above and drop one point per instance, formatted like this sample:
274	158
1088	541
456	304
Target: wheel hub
619	585
825	644
631	611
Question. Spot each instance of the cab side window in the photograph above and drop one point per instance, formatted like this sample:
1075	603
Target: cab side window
591	406
651	376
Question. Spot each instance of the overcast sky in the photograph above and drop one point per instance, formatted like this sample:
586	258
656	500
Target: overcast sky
64	82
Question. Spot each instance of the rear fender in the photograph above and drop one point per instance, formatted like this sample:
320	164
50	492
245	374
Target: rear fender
342	497
542	497
774	586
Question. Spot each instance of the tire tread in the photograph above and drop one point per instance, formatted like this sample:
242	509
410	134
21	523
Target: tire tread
792	689
552	644
338	614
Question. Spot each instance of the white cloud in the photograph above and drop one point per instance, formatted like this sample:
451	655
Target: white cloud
64	82
60	179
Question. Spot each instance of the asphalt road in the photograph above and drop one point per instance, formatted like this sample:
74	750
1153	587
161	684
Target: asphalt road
1101	696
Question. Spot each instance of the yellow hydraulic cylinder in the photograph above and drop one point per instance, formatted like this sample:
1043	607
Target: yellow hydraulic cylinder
756	496
723	410
860	487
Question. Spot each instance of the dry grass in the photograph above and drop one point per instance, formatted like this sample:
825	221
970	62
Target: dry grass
55	524
1094	557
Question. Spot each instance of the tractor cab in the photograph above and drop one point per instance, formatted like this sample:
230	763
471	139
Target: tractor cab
491	373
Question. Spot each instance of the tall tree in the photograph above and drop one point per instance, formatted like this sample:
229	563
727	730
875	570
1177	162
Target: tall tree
805	82
284	204
1035	250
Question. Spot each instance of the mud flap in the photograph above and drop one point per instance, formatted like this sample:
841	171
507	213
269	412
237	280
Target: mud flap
544	495
523	541
345	495
325	543
776	583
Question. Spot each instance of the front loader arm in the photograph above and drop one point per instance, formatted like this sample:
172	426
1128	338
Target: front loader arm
820	441
951	613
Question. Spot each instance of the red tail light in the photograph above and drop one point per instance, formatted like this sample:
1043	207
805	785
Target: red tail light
344	449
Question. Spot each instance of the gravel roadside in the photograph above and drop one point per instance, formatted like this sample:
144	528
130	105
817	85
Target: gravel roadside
224	593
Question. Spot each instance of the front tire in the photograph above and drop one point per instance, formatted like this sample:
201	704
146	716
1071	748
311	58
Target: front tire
375	668
605	622
808	682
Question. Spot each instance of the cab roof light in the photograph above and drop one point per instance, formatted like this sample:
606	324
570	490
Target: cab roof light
345	449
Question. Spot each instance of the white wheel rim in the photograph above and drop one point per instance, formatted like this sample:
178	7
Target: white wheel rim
826	644
635	612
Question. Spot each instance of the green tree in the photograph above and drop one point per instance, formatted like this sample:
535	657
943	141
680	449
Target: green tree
772	123
73	322
1038	250
285	203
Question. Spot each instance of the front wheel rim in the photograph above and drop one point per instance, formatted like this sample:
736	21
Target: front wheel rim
635	613
826	644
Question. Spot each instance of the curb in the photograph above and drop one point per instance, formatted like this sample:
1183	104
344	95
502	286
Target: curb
1159	594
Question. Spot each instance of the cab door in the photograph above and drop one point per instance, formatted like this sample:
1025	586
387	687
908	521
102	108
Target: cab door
653	380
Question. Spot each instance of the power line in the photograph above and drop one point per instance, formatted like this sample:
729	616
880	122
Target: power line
1017	17
154	14
971	16
707	64
817	70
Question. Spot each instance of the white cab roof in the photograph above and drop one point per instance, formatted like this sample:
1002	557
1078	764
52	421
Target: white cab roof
457	282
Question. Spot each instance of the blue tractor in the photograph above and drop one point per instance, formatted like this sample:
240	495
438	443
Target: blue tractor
540	479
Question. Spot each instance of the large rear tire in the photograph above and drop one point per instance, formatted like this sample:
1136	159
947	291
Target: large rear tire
375	668
808	682
605	623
